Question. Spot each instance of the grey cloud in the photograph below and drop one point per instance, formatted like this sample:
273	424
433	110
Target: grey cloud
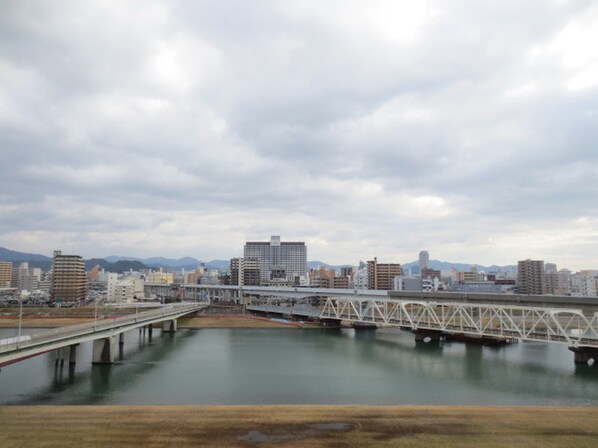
271	110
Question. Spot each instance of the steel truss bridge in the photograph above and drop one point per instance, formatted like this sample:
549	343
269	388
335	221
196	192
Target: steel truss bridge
552	319
530	323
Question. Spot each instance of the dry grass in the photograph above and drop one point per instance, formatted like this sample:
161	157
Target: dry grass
294	426
189	322
42	322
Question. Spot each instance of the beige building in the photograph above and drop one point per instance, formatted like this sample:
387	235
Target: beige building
162	278
469	276
381	275
124	292
322	277
69	282
5	274
531	277
193	277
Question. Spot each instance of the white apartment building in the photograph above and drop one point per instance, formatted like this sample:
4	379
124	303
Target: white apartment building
123	289
584	283
279	261
111	281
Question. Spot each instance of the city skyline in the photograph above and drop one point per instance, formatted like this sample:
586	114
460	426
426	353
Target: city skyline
366	130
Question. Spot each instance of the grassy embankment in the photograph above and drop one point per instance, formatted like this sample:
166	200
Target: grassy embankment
52	318
187	426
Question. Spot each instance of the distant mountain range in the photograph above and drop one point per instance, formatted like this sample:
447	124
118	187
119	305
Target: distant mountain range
187	263
115	263
463	267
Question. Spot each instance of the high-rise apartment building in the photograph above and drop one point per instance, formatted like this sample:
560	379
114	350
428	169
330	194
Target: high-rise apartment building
551	278
424	260
381	275
280	262
245	271
531	277
5	274
26	278
69	282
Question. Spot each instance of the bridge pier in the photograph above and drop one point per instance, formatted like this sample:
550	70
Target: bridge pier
59	357
427	336
103	350
360	325
331	323
169	326
583	354
121	339
73	354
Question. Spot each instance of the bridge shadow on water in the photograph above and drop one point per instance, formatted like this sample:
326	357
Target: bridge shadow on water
92	385
520	369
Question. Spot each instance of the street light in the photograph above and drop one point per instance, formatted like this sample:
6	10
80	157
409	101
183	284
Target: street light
20	321
95	320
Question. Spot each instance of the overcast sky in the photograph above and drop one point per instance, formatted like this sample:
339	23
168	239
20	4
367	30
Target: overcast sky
141	128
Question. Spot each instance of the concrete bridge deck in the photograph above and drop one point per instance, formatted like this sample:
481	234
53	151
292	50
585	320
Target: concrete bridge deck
102	332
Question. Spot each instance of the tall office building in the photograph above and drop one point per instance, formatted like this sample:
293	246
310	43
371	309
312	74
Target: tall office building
69	282
5	274
381	275
424	260
280	262
531	277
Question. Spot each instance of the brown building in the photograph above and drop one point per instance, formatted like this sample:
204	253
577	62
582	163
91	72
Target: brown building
5	274
245	271
94	273
531	277
322	277
381	275
429	273
341	282
69	282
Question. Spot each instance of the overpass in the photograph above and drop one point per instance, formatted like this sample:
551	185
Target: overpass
430	315
102	333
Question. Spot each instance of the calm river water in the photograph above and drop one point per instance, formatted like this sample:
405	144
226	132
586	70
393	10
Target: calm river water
271	366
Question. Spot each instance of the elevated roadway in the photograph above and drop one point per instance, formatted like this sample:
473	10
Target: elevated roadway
103	333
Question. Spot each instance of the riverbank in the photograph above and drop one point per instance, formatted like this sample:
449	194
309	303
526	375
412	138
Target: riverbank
264	426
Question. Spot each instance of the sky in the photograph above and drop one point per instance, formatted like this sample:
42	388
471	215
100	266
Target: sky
364	128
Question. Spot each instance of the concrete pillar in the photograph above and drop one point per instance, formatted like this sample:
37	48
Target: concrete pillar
103	350
73	354
430	335
583	354
169	326
360	325
121	338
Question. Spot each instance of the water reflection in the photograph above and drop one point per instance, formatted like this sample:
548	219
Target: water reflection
293	366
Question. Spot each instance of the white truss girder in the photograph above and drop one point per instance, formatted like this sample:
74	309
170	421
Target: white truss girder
568	326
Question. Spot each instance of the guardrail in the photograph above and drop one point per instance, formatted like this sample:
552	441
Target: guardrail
88	328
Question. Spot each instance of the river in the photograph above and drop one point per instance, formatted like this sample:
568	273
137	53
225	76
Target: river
312	366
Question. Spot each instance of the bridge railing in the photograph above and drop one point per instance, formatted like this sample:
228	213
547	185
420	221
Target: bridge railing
70	331
569	326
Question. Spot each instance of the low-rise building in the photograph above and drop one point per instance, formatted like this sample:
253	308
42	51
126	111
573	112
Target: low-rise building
381	275
162	278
